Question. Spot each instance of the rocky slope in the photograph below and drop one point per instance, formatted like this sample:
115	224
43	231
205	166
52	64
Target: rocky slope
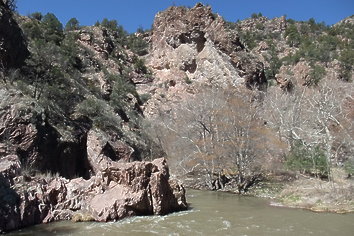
299	52
39	172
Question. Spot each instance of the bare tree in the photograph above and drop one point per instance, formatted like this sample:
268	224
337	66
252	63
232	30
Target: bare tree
312	116
218	134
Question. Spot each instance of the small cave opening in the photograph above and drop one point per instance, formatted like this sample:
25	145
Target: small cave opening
72	161
191	67
108	151
196	37
200	41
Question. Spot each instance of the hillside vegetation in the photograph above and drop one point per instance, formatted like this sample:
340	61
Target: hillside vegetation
73	80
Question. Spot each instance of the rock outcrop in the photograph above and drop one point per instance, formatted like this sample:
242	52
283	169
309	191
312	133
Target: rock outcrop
121	190
190	47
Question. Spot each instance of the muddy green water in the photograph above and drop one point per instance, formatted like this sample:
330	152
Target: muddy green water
214	213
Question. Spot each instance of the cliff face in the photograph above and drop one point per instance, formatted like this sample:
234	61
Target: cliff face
193	47
46	137
26	133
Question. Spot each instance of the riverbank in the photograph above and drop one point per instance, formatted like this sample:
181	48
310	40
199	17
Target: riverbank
336	196
299	191
317	195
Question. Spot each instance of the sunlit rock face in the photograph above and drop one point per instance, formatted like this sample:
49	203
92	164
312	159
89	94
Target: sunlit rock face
193	47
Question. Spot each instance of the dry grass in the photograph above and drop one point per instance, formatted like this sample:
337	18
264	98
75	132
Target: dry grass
321	196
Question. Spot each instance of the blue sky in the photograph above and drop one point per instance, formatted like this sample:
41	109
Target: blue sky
134	13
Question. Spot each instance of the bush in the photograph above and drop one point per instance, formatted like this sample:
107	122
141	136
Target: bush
188	80
349	167
323	50
61	95
292	35
231	25
145	97
91	107
109	24
122	88
249	39
137	45
316	74
36	16
260	26
274	62
113	26
100	113
311	161
255	15
97	24
291	59
139	66
315	27
124	99
346	61
141	30
32	30
70	51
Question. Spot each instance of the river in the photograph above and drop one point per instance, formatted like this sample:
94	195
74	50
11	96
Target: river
213	213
